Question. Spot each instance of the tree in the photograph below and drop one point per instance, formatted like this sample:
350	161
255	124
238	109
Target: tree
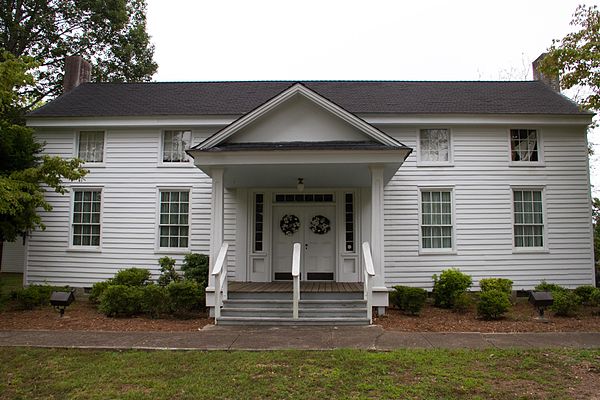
111	34
576	58
24	173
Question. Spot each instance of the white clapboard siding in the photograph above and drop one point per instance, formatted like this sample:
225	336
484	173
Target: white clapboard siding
481	179
130	179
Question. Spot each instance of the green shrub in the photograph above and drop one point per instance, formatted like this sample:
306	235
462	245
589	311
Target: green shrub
493	303
462	303
97	289
131	277
195	268
566	303
409	299
450	284
35	295
585	292
121	300
549	287
167	271
501	284
154	301
185	296
595	298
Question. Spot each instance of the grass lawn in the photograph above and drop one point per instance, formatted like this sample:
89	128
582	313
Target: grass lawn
10	281
30	373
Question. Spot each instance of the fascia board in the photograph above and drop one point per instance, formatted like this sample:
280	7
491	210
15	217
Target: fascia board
126	122
223	158
476	119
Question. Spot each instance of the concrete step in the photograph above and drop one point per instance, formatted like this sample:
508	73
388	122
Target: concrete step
257	312
289	296
257	303
332	312
273	321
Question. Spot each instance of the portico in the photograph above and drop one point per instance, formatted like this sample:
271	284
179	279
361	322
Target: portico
258	162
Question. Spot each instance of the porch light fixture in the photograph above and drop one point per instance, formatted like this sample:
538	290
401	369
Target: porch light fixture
61	300
541	300
300	185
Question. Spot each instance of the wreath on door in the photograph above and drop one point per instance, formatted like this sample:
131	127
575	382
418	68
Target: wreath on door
289	224
320	225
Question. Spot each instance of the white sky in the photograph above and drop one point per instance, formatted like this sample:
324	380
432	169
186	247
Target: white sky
377	39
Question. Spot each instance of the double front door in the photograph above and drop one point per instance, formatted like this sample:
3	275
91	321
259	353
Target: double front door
313	226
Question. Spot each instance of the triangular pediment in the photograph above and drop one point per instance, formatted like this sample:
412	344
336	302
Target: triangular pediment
298	114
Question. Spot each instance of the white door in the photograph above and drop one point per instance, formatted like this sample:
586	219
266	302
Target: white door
313	226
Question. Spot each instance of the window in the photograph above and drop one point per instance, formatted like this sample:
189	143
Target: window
174	218
91	146
434	145
86	217
174	145
436	219
528	218
524	145
258	221
349	219
304	198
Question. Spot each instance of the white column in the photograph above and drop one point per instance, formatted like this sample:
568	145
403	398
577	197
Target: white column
377	224
217	219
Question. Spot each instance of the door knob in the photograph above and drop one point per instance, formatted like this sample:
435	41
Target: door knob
306	246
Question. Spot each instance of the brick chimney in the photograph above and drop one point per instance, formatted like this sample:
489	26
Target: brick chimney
77	71
552	81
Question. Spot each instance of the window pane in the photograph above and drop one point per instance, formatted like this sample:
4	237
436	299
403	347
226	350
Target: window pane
528	218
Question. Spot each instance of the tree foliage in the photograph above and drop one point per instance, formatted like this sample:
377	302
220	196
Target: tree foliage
23	172
111	34
576	57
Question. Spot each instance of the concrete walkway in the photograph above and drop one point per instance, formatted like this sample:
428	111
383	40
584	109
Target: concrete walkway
305	338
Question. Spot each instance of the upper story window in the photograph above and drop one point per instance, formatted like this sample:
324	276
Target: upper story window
434	146
86	217
175	143
91	146
524	145
528	218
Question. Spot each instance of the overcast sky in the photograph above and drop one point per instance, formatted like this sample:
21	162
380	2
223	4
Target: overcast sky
397	40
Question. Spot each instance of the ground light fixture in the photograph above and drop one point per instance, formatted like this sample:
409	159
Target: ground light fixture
61	300
300	185
541	300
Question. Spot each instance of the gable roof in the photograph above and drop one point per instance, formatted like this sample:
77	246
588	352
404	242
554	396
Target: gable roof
358	97
299	89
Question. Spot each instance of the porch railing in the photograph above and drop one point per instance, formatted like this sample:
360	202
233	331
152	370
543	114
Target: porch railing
296	278
369	273
220	273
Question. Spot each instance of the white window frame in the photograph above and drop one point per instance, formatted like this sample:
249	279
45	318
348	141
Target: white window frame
187	162
173	250
91	248
89	164
428	163
523	249
540	145
451	190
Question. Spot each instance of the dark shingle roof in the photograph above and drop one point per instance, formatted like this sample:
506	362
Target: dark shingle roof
236	98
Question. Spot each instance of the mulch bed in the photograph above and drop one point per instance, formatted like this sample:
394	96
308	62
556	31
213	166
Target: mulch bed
521	318
83	315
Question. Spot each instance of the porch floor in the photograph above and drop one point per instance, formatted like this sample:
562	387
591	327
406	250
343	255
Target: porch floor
310	287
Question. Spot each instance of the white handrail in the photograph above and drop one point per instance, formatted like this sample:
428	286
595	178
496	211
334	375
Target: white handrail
220	273
296	278
369	273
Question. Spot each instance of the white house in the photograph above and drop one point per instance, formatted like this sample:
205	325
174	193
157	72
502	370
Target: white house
489	177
